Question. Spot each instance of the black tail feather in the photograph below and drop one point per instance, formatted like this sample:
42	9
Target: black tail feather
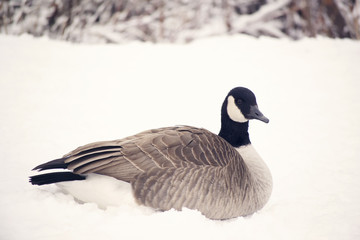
55	177
54	164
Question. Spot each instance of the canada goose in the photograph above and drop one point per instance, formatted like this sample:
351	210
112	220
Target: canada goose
222	176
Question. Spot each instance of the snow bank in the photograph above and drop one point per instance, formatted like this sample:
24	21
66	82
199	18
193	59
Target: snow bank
56	96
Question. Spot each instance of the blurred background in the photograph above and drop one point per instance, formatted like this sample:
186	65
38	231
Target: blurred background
116	21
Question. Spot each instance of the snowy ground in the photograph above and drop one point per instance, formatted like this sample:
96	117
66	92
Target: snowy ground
56	96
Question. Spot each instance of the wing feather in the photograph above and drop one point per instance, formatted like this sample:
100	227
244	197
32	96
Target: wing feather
165	148
91	158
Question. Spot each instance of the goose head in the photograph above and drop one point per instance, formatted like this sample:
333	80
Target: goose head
241	106
238	108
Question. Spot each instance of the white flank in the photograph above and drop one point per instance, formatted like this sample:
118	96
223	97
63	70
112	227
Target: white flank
103	190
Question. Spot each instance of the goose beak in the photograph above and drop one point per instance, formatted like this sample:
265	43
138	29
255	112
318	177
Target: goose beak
256	114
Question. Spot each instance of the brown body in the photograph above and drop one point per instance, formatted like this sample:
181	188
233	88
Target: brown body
174	168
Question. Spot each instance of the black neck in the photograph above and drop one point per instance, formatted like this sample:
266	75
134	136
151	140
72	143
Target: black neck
233	132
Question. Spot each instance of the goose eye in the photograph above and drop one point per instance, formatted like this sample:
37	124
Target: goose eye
239	101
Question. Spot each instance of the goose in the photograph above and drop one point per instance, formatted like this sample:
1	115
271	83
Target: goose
222	176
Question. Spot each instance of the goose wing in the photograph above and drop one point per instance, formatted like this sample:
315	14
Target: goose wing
164	148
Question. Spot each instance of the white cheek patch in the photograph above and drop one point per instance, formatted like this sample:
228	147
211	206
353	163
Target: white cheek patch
234	112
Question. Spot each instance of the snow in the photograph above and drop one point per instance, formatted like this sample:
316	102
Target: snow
56	96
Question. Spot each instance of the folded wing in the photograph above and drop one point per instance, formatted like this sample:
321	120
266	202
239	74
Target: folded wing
164	148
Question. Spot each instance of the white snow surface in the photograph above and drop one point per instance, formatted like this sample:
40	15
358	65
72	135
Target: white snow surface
56	96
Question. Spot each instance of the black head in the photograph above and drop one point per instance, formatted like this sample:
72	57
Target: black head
238	108
240	105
